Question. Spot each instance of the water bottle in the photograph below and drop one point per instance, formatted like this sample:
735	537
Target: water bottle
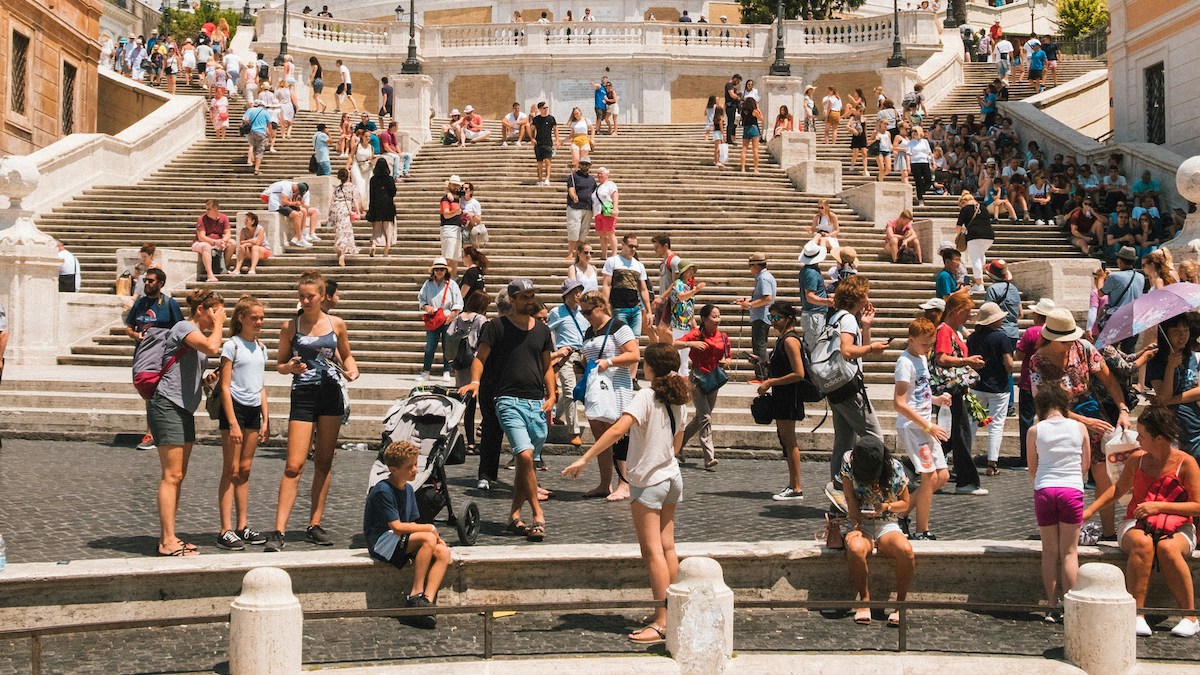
3	554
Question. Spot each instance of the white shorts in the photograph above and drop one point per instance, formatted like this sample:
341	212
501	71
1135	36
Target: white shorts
875	528
923	450
578	221
613	110
451	242
1188	532
669	491
717	135
472	135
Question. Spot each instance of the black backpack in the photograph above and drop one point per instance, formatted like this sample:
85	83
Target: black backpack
264	72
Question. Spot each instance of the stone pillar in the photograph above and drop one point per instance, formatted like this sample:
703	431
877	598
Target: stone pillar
700	618
656	95
931	234
1064	280
821	177
792	147
897	82
879	202
414	99
266	625
1186	246
1099	621
28	271
320	191
782	90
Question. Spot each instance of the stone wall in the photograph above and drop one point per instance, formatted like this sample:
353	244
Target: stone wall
61	35
459	15
123	103
689	96
492	95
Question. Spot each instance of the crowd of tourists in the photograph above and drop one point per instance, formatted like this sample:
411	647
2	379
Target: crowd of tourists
541	357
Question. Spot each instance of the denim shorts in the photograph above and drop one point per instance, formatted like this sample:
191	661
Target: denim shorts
630	316
523	422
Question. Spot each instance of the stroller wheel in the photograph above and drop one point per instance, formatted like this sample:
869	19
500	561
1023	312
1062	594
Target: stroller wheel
468	525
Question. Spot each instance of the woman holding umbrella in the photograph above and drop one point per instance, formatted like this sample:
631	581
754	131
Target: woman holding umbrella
1062	356
1173	371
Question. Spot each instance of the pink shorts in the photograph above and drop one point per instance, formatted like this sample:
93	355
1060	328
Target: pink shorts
1054	505
605	223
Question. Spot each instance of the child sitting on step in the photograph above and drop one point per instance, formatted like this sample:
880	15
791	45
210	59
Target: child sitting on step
394	536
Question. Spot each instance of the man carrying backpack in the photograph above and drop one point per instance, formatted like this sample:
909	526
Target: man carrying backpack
154	311
836	367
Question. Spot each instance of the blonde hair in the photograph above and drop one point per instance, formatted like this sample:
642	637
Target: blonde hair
596	301
1188	271
244	304
400	453
965	197
1160	261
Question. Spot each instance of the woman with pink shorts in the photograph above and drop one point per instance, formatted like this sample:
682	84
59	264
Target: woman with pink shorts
1059	454
604	204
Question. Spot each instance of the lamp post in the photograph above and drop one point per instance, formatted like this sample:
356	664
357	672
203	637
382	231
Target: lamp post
283	38
780	67
411	65
897	58
246	20
1031	30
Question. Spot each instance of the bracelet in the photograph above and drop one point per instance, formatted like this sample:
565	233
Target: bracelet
474	381
929	428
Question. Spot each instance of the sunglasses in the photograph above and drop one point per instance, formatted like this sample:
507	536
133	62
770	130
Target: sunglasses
587	311
586	252
774	317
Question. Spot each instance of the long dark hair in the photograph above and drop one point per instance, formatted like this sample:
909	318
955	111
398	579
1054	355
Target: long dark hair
705	312
871	463
669	386
1159	360
476	256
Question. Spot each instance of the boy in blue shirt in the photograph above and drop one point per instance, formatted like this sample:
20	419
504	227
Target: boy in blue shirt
394	536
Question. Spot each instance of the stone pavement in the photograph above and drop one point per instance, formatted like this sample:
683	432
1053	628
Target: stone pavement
64	500
460	637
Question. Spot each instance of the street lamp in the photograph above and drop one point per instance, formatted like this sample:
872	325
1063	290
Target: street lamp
897	59
283	39
1031	30
780	67
411	65
246	19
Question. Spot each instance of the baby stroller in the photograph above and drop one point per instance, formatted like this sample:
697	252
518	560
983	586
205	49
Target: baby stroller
431	419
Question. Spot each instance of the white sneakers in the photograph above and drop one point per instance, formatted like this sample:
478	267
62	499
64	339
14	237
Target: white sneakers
1185	628
424	375
1141	628
974	490
312	237
300	243
446	378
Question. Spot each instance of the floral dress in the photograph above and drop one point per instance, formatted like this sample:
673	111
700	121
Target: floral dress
1083	360
219	109
339	214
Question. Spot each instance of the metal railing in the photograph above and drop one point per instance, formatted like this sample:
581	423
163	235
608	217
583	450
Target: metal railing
488	615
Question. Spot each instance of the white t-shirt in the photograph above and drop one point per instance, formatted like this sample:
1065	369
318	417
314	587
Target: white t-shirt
278	188
651	443
516	119
1004	48
617	262
604	193
345	72
232	63
473	207
846	323
249	367
833	102
915	371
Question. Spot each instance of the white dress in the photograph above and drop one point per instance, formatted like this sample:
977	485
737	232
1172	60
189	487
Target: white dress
360	170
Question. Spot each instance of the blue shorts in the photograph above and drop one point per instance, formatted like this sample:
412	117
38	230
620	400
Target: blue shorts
630	316
523	422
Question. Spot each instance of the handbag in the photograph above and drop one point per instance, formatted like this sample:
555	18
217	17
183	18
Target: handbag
312	163
437	318
600	400
212	402
953	380
762	408
479	234
960	239
715	378
831	534
579	393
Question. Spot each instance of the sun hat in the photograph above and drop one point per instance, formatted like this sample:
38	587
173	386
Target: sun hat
758	258
998	270
1044	306
454	180
455	112
1060	327
569	285
812	253
1127	253
438	262
934	303
520	285
585	160
989	313
844	254
469	108
685	265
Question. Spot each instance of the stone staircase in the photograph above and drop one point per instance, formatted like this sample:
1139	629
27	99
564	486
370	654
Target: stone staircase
715	217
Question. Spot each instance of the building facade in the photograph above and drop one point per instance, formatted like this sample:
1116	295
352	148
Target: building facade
1154	71
49	50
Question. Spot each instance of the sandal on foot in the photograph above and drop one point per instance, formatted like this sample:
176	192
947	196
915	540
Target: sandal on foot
537	532
862	617
544	495
992	470
182	552
894	620
657	636
518	528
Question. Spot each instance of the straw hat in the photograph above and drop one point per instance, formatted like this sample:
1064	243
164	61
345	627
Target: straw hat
1060	327
438	262
998	270
1044	307
990	313
758	259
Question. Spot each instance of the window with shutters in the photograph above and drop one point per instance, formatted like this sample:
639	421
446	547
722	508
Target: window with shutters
68	98
19	75
1156	104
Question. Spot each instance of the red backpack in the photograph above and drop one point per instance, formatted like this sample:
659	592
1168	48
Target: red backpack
1166	488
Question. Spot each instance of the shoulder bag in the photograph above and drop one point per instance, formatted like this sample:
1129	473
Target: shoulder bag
437	318
715	378
581	386
951	380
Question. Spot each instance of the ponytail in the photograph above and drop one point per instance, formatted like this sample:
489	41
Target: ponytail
669	386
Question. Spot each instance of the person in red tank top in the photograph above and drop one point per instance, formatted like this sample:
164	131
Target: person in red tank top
1144	474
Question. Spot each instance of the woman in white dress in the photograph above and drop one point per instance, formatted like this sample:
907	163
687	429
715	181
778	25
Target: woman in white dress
359	165
106	51
285	96
583	269
189	60
824	228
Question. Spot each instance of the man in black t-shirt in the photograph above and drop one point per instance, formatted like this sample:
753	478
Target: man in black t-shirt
733	103
545	139
512	362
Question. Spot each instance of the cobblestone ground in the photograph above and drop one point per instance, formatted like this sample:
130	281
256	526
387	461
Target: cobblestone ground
380	641
76	500
70	500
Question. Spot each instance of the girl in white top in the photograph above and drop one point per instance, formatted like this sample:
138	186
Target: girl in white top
883	160
582	138
654	421
286	99
244	419
900	152
584	270
809	123
1059	457
824	228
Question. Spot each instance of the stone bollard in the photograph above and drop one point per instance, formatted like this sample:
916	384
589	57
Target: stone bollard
266	625
1099	618
700	618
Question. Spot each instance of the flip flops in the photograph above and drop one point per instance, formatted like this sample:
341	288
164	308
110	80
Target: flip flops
862	617
657	636
185	550
537	532
518	528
